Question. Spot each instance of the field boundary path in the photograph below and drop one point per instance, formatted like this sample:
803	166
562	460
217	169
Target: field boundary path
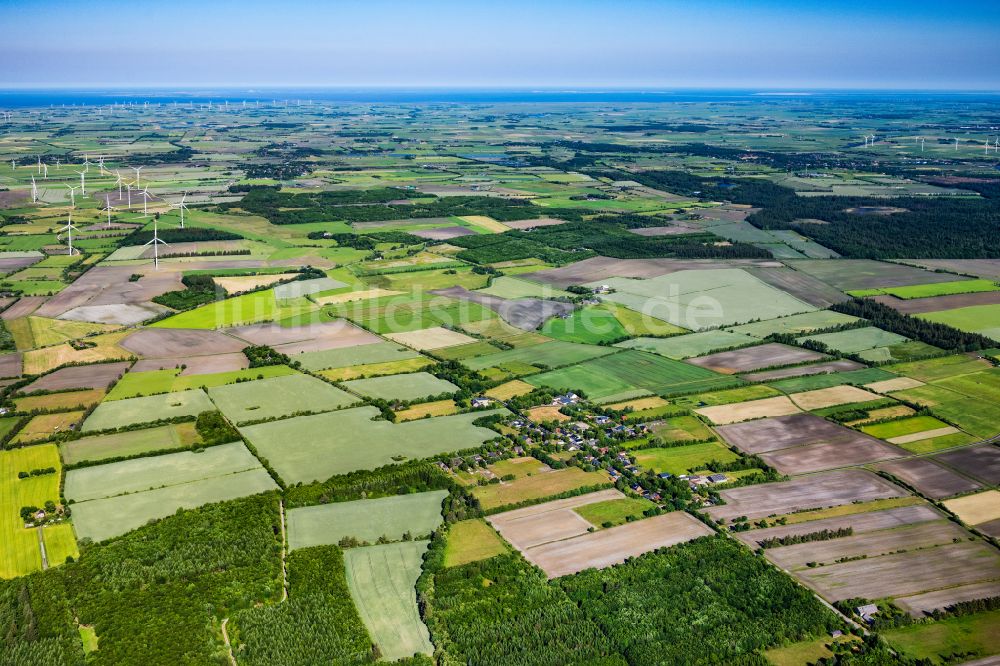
225	637
284	549
41	548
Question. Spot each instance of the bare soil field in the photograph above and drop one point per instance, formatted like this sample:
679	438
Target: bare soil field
551	521
436	337
531	224
979	462
991	527
818	457
196	365
599	268
861	523
983	268
842	365
14	264
938	303
919	604
13	198
526	314
110	286
832	396
873	544
745	411
605	548
905	573
180	343
929	478
443	233
24	307
79	377
10	365
755	358
812	492
783	432
311	337
801	285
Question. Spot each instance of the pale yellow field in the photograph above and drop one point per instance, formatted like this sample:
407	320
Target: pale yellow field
437	337
744	411
834	395
436	408
42	360
47	331
511	389
640	403
241	283
484	222
546	413
376	369
45	425
351	296
978	508
896	384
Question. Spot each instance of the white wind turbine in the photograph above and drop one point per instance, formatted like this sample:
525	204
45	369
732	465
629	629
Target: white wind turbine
45	171
69	231
956	143
107	200
145	200
83	182
86	162
118	182
100	163
181	206
72	196
155	243
137	170
34	191
128	191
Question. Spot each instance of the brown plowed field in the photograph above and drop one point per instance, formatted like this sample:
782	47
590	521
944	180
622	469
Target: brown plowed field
929	478
810	492
754	358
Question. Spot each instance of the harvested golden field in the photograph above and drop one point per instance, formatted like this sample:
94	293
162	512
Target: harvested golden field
511	389
436	408
744	411
106	348
978	508
832	396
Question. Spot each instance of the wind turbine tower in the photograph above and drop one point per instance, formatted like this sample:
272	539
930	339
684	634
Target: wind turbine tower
69	231
137	170
107	200
72	196
155	242
181	207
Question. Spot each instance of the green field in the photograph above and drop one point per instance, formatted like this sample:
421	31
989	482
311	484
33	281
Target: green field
982	319
681	428
702	299
856	339
938	443
902	427
589	325
20	553
616	511
109	500
683	459
381	580
278	397
973	415
129	443
935	289
366	520
795	324
259	306
470	541
632	372
131	411
537	486
134	384
551	354
726	396
511	287
827	379
693	344
413	386
132	476
975	634
313	448
379	352
933	369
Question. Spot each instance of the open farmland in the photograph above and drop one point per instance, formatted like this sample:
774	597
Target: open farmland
366	520
756	358
113	499
381	580
379	352
151	382
412	386
278	397
312	448
128	444
693	344
979	462
929	478
120	413
631	373
854	274
812	492
536	486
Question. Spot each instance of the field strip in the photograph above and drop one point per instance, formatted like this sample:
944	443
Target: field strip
926	434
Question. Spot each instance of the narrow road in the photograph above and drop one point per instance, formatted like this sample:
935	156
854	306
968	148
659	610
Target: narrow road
229	648
284	542
41	546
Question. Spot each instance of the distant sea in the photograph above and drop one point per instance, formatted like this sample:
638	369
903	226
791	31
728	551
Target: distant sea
91	97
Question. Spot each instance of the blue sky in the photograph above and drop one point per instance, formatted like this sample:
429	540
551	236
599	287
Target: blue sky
543	43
